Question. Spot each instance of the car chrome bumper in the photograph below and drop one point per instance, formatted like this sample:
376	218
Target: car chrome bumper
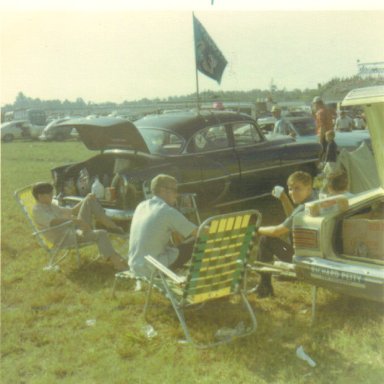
355	280
119	214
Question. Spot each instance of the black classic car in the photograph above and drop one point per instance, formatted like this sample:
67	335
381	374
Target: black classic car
220	156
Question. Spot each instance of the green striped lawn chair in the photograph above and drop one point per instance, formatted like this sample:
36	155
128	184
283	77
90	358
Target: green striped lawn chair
217	268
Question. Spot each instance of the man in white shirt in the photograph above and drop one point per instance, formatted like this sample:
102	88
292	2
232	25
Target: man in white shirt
344	123
359	122
153	223
281	127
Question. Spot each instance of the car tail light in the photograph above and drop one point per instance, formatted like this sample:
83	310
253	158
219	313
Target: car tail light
305	238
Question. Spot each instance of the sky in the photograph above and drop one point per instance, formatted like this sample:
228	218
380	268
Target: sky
125	50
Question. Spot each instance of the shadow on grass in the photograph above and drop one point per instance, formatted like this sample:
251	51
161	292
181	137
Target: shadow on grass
347	308
93	277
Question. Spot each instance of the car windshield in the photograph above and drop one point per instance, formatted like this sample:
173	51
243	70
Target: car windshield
305	127
162	142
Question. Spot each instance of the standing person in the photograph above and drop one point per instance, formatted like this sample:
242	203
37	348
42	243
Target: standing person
359	122
300	191
330	162
344	123
45	214
153	223
281	126
330	157
324	122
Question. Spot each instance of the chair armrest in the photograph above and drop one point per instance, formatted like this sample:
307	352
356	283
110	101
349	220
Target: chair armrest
72	200
66	224
161	267
277	266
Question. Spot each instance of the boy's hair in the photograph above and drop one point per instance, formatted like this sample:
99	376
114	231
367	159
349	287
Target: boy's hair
161	181
338	182
330	134
300	177
41	188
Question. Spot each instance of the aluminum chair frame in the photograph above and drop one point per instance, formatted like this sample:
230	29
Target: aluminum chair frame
217	269
56	251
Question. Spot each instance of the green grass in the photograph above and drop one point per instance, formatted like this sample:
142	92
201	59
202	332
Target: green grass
45	338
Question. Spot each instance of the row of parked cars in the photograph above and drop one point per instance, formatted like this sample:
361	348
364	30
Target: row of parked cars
303	128
23	129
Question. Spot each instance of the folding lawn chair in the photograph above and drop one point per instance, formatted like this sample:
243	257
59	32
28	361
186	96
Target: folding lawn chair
217	269
56	251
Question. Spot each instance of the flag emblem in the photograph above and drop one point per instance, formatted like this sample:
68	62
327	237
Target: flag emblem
209	59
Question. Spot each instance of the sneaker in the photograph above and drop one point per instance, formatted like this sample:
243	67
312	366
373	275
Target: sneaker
264	291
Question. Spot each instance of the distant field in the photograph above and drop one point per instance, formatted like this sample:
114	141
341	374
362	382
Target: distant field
45	337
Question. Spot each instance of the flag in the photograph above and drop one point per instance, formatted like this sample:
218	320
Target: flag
209	59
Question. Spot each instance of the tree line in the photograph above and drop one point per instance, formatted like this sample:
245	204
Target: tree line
333	90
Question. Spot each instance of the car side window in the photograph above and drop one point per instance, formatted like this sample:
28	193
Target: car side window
305	127
245	134
209	139
162	142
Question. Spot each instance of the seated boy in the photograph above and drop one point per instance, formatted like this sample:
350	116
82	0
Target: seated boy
46	215
337	184
300	191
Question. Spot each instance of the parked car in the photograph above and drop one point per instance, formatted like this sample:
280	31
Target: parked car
20	129
339	242
55	132
36	118
221	156
304	129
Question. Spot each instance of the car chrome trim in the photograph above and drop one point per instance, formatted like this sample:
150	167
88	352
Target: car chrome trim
245	199
278	166
337	270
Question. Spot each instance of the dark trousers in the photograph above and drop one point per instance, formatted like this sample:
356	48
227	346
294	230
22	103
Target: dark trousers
185	253
324	144
273	246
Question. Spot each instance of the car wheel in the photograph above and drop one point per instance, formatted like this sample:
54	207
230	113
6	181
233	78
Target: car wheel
8	138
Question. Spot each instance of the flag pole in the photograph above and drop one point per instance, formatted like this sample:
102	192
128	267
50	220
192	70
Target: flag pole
196	71
197	90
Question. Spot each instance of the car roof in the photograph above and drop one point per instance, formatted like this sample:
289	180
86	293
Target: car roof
299	118
365	95
57	121
186	123
13	122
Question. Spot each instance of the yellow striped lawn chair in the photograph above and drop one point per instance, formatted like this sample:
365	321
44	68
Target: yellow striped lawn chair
56	251
217	268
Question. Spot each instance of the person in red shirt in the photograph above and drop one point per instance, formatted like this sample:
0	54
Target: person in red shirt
324	122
